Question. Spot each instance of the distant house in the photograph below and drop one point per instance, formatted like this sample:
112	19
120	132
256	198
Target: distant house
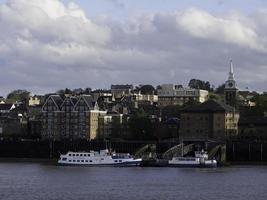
2	100
170	94
211	120
6	108
118	91
34	100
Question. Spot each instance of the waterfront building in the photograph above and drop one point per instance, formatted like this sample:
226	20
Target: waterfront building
253	128
170	94
231	91
210	120
73	118
51	111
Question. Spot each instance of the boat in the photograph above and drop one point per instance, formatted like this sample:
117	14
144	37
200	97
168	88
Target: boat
200	160
95	158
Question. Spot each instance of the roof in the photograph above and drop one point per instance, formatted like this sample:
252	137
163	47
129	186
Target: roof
57	99
88	100
6	106
172	121
209	106
121	87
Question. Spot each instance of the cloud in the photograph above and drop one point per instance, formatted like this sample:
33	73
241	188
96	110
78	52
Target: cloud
46	45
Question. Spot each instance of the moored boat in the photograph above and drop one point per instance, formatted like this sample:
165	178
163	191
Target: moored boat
200	160
95	158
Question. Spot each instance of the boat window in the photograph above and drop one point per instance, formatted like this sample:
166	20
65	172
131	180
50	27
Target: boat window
102	158
116	161
77	154
120	160
81	154
74	160
82	161
86	161
64	159
78	160
69	154
69	160
91	161
84	155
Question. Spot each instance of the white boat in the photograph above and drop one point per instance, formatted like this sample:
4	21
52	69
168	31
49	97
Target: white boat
94	158
200	160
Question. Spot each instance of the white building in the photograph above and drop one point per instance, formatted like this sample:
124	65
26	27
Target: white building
170	94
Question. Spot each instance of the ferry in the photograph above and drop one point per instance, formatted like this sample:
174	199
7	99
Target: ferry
95	158
200	160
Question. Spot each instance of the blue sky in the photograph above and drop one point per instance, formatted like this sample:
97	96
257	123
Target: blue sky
124	7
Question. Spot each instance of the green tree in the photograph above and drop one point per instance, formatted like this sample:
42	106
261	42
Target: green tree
140	126
18	96
147	89
199	84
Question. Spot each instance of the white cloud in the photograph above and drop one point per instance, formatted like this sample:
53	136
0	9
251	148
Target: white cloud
46	45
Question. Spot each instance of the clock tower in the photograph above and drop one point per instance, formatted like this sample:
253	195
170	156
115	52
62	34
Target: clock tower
230	91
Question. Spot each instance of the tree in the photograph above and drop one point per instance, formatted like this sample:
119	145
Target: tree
199	84
170	111
220	89
147	89
141	127
18	96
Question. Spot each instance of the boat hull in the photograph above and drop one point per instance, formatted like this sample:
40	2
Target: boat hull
193	165
124	164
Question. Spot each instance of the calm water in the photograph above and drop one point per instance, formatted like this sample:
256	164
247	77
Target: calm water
39	181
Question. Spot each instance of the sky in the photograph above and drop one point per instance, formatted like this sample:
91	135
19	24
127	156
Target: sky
47	45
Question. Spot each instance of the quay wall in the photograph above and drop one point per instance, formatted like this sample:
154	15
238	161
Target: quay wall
52	149
236	151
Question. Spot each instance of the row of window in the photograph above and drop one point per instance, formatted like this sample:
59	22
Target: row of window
86	161
78	154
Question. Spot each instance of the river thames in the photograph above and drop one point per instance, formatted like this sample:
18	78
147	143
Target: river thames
32	181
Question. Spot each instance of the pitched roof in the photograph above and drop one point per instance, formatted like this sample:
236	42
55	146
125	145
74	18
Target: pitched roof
88	100
57	99
6	106
209	106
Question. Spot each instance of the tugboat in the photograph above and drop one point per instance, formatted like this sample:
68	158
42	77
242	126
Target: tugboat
200	160
95	158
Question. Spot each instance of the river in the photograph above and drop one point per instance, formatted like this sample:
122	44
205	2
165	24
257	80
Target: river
32	181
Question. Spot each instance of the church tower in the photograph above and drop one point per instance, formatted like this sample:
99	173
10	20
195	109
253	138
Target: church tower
230	91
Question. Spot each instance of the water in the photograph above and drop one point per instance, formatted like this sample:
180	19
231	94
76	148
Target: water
32	181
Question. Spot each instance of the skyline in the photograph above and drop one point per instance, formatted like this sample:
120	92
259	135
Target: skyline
47	45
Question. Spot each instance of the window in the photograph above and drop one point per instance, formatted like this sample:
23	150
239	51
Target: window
120	160
78	160
81	154
74	160
69	160
82	160
86	160
116	161
77	154
91	161
64	159
84	154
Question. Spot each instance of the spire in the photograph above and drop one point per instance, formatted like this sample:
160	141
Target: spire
231	73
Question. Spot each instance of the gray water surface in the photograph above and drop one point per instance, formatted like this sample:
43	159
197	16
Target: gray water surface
39	181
